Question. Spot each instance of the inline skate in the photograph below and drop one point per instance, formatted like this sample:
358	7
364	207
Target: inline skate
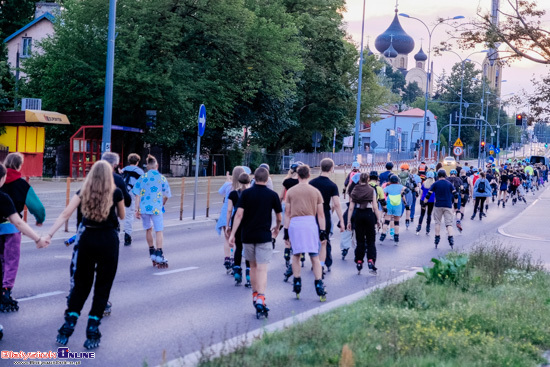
92	333
359	265
67	329
160	261
320	289
238	275
261	308
297	287
7	303
248	284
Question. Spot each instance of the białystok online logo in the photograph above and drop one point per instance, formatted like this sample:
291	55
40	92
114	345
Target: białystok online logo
62	353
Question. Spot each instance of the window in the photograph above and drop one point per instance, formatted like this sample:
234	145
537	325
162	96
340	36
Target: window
404	141
27	47
416	127
387	141
402	63
419	64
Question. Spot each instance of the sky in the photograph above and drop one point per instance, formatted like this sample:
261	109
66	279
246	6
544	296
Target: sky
379	14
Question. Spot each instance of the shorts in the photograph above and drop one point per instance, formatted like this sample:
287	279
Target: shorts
445	213
151	220
396	211
258	252
504	187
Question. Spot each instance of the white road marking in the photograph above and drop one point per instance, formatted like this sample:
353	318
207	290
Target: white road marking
42	295
176	270
67	257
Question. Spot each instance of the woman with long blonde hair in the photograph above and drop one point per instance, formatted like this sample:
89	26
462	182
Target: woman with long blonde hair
100	202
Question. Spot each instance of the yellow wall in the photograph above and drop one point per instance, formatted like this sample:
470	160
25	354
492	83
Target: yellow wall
9	138
24	139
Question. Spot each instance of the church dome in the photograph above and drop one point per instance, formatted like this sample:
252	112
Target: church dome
390	53
402	42
421	56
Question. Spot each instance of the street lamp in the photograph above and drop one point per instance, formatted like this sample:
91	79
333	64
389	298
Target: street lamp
108	103
498	123
430	73
358	112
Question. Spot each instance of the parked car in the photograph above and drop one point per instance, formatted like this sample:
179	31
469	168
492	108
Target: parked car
534	159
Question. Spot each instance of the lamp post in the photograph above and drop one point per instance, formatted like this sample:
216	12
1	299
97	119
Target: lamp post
498	123
108	103
358	112
429	73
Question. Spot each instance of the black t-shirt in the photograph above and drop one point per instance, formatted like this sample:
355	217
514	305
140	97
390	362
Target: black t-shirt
504	179
119	182
289	183
258	202
111	221
490	177
7	208
234	197
17	191
328	189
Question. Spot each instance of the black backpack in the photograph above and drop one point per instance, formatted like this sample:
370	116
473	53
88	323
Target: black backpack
481	187
127	175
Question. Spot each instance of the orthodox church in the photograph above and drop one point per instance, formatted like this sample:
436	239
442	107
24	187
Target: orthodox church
395	45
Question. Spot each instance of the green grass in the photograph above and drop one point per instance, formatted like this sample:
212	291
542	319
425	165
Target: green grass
496	314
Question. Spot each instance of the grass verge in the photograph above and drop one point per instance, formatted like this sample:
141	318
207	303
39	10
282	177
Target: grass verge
493	310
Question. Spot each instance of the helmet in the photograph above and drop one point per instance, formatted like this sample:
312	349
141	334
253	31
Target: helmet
394	179
441	173
432	166
389	165
430	174
475	169
295	166
373	174
493	165
247	170
453	172
265	165
404	166
355	165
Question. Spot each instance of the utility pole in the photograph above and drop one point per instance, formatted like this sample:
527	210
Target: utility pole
109	74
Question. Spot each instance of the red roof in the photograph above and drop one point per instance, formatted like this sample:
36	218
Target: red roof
415	112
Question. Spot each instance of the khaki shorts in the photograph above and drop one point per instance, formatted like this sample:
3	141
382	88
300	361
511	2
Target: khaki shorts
258	252
445	213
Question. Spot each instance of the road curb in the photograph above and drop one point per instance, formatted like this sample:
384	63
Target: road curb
245	340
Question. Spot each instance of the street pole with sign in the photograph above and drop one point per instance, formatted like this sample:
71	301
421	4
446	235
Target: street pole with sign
108	103
202	127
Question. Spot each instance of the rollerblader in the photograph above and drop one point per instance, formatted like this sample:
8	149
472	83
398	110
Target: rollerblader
303	203
101	201
457	184
152	191
289	181
385	176
329	191
131	173
407	180
464	194
395	202
503	189
354	170
426	208
233	198
363	201
481	191
254	218
21	195
445	194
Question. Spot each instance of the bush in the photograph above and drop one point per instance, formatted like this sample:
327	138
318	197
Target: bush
448	269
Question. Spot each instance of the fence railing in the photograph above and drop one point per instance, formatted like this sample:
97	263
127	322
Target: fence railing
346	158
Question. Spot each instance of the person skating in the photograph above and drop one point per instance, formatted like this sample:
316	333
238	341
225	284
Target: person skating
233	199
396	202
481	191
131	173
152	191
503	189
385	176
426	208
445	194
464	191
303	203
457	184
364	213
230	184
289	181
354	170
407	180
417	182
101	201
329	191
254	216
21	194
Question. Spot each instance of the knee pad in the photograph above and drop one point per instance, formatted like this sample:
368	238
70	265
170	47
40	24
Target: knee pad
396	223
386	222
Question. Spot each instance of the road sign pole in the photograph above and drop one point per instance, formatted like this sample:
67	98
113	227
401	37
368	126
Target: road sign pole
196	174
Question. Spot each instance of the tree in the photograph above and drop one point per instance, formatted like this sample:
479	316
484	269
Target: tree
411	93
521	30
6	81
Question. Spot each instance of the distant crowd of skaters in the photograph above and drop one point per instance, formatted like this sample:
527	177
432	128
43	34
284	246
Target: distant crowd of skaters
375	202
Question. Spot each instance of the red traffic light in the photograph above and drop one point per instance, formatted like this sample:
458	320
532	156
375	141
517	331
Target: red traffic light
482	143
519	117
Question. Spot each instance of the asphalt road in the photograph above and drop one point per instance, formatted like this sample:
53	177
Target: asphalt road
163	314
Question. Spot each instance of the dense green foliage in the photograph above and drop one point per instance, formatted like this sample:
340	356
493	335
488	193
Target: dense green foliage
494	314
282	69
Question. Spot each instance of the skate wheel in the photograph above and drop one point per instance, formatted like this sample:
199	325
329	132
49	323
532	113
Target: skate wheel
323	298
107	313
297	295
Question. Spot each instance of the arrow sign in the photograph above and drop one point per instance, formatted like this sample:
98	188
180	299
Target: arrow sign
497	150
458	143
202	120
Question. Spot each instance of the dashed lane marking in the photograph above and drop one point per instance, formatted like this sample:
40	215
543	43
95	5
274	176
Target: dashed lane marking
42	295
176	271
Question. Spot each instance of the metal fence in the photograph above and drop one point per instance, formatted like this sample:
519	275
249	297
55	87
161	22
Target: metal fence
346	158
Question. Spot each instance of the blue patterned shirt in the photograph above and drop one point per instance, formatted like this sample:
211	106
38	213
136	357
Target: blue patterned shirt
151	187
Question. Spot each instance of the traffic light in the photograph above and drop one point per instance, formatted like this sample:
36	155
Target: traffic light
519	120
482	147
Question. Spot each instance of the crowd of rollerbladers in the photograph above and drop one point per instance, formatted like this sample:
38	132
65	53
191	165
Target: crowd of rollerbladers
375	204
107	196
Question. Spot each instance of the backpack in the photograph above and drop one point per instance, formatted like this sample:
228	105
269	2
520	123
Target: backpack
465	185
127	175
481	187
422	168
516	181
405	180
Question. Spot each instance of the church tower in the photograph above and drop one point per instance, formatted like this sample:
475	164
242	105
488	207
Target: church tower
395	44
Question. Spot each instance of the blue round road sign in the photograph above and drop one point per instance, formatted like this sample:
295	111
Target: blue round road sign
497	150
202	120
490	160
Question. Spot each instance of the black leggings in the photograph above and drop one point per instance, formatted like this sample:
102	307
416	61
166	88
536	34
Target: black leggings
480	202
97	255
365	234
238	255
430	207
